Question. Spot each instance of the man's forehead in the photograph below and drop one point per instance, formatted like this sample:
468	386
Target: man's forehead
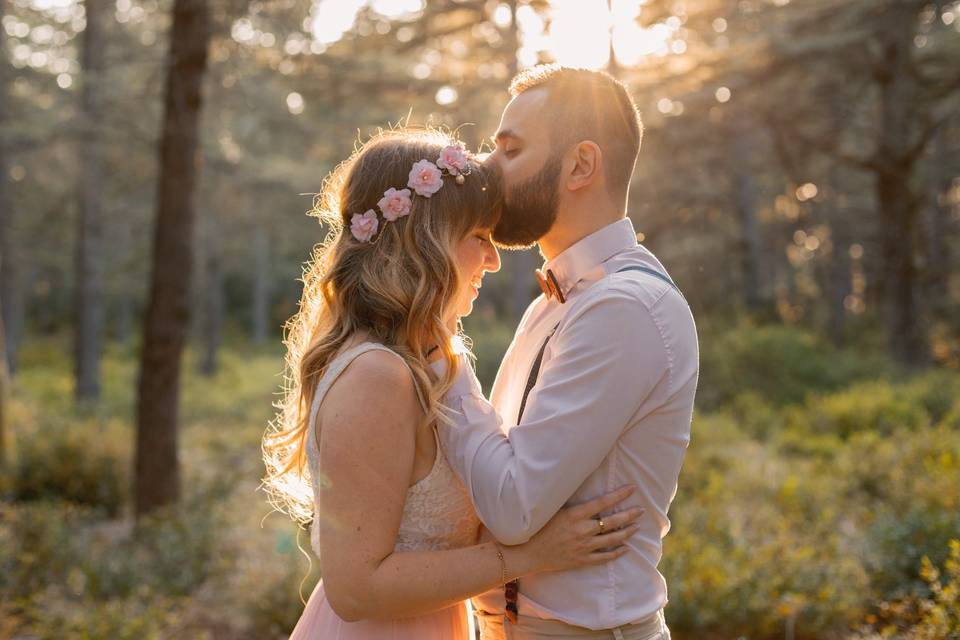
523	114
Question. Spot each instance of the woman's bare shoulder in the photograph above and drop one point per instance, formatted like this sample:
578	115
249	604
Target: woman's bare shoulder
377	384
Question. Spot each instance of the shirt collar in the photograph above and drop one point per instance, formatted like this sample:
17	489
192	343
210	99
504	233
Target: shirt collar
580	258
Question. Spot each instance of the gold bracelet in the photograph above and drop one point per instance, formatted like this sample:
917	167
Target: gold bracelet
503	564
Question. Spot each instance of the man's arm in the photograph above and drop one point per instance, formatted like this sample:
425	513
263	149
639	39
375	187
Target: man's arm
607	359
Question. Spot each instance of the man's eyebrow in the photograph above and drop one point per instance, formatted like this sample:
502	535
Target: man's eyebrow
504	134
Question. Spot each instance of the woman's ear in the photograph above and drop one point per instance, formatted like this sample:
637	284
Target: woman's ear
587	164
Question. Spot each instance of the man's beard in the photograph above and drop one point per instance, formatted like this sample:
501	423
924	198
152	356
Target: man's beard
530	208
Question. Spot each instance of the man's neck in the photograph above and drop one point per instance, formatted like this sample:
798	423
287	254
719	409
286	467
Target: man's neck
561	237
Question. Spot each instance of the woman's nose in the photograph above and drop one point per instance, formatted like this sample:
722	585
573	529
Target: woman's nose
491	261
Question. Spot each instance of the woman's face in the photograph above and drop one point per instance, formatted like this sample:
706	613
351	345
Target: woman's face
475	256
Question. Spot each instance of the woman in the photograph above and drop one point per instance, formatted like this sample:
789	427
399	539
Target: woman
370	353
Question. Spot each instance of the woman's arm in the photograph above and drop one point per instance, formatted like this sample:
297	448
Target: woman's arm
367	448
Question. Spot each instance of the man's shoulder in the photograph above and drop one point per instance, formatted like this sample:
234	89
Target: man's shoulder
628	300
630	283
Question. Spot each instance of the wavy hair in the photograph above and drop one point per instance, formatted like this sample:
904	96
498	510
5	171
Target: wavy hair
397	288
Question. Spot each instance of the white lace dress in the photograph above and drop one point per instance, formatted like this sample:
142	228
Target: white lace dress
437	515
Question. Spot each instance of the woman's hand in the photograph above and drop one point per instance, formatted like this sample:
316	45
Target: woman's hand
573	538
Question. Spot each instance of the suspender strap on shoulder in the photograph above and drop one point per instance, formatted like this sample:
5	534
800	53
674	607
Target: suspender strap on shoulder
654	273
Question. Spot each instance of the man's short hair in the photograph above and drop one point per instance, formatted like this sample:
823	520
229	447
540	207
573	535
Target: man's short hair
589	105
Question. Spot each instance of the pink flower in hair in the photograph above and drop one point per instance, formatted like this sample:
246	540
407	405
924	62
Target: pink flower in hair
425	178
453	158
395	203
363	226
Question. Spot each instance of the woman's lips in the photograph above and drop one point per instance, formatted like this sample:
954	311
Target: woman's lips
476	284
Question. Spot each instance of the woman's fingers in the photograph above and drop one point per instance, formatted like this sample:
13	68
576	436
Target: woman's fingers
620	519
591	526
612	539
601	557
591	508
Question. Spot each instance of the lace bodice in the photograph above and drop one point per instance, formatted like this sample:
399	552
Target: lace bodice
438	513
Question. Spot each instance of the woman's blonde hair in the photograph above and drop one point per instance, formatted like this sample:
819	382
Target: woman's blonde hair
397	288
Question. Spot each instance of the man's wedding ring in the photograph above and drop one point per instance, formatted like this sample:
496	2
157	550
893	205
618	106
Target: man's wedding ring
603	527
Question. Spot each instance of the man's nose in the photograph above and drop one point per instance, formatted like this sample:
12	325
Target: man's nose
493	159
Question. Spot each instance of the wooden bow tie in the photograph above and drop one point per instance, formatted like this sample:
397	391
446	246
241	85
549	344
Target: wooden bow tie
550	286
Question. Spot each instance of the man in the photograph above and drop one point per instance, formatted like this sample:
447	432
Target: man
596	390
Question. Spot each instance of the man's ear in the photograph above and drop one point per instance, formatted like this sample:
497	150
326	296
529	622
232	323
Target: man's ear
587	165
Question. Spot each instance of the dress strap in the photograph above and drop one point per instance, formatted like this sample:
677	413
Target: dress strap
340	363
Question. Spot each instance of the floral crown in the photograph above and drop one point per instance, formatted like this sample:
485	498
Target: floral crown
426	178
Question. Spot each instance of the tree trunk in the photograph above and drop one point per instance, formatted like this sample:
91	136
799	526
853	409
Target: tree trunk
124	310
157	472
261	285
905	330
937	229
906	333
10	290
838	275
839	269
124	321
749	241
88	302
4	403
210	295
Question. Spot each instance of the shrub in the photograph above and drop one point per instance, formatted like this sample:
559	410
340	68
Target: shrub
813	509
489	340
56	613
897	542
39	545
878	407
781	364
935	615
84	463
754	415
762	535
938	392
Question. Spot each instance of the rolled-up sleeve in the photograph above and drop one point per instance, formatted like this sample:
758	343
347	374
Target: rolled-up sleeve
587	391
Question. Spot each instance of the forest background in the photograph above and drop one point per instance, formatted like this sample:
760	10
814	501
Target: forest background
799	178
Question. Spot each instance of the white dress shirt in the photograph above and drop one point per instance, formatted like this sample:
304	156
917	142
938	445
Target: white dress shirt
612	405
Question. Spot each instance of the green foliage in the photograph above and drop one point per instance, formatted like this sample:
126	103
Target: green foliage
808	508
147	617
38	545
881	406
51	543
780	364
82	463
896	543
938	392
935	615
489	341
941	612
208	568
756	538
875	406
814	513
61	453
